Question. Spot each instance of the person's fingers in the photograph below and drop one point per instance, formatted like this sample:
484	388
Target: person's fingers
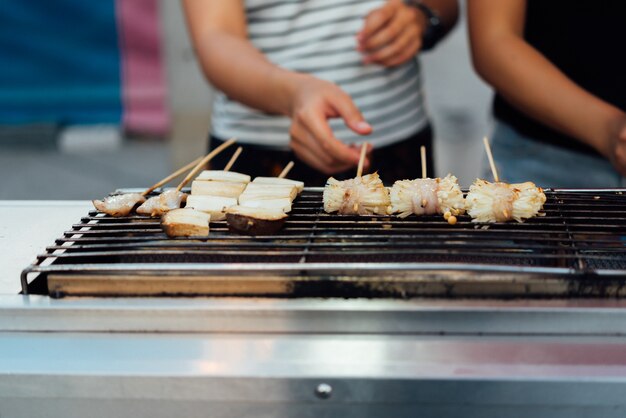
385	35
312	159
317	125
351	114
301	138
405	55
374	21
397	47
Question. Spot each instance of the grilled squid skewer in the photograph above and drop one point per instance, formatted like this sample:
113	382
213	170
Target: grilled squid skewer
502	202
428	196
122	205
119	205
166	201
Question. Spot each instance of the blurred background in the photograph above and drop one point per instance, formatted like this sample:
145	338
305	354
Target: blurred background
96	96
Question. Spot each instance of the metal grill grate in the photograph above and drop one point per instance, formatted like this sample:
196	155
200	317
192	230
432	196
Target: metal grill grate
577	248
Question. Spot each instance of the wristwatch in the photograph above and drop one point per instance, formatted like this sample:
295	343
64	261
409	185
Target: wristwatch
435	30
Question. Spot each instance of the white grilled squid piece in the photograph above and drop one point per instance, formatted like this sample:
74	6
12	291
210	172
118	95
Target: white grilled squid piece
163	203
119	205
364	195
427	197
502	202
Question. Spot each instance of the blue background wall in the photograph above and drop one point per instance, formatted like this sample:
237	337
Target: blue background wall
59	62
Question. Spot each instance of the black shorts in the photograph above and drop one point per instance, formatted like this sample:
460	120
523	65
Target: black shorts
399	161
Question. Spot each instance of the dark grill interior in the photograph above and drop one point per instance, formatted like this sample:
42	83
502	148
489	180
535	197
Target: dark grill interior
582	235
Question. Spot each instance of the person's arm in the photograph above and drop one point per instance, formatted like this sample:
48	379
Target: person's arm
234	66
392	34
529	81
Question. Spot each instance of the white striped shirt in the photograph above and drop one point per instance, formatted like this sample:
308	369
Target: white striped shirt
318	37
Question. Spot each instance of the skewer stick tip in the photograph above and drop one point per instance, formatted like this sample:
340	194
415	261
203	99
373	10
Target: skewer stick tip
423	157
232	160
359	170
171	176
490	157
286	170
204	161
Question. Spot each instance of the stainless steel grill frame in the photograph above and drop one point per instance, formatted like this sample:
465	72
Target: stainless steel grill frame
577	249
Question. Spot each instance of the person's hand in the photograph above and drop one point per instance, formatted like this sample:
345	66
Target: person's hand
391	34
617	143
312	140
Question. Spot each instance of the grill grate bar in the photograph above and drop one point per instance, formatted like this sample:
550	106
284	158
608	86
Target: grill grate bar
582	235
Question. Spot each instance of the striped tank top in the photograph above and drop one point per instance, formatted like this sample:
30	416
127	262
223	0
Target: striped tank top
318	37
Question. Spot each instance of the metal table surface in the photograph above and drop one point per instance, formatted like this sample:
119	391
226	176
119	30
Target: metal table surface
233	357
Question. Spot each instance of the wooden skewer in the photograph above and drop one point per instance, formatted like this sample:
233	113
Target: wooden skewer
359	170
205	160
490	157
423	156
233	159
171	176
286	170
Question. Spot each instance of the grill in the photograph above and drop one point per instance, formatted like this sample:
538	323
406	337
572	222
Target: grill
578	249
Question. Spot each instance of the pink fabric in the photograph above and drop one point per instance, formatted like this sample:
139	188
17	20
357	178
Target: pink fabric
144	85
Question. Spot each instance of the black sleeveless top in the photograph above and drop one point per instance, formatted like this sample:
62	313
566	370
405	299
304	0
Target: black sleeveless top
587	42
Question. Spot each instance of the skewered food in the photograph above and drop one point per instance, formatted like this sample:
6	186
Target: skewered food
213	205
254	221
217	188
363	195
119	205
277	181
283	203
122	205
221	175
256	191
428	196
502	202
185	223
160	204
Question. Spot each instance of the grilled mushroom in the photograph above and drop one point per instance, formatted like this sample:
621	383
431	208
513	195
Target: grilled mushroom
185	223
283	203
254	221
213	205
221	175
362	195
502	202
255	191
427	196
217	188
277	181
